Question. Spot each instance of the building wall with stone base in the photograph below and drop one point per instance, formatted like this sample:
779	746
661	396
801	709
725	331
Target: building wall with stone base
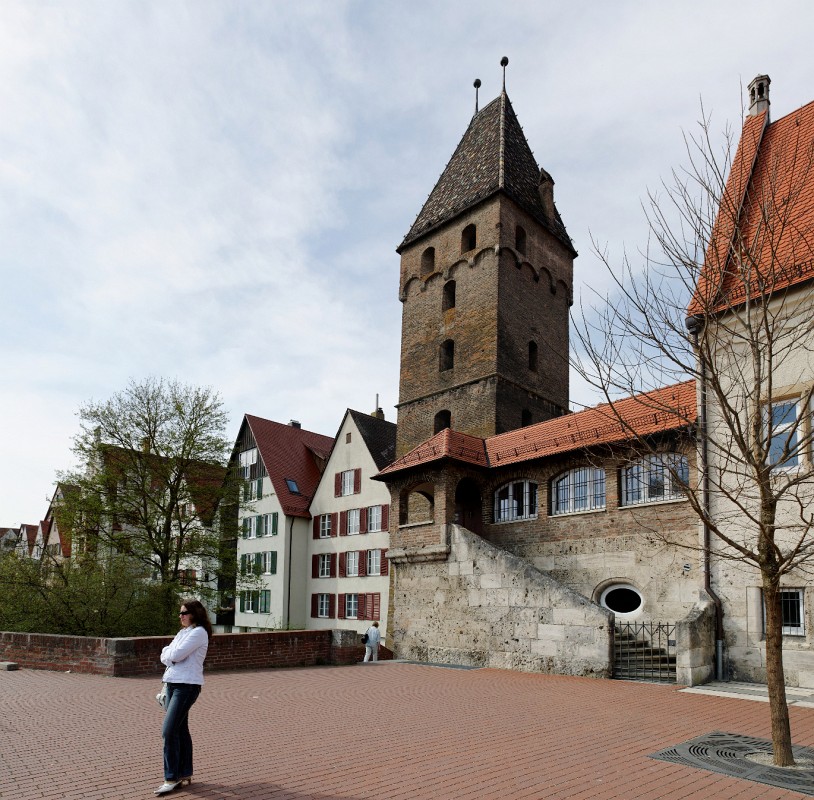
482	606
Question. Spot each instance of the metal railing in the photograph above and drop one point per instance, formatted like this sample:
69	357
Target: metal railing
644	651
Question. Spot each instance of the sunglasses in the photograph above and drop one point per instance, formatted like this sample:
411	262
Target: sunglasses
184	613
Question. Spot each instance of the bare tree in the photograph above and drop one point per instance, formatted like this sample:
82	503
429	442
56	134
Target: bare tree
152	476
725	297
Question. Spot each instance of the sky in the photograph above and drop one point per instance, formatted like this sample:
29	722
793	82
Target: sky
213	190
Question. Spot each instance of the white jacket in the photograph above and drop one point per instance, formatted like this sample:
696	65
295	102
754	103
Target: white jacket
184	656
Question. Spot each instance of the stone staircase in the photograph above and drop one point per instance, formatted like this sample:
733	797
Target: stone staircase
644	653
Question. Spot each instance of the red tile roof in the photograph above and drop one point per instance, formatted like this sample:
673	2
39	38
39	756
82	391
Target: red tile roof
665	409
288	452
770	194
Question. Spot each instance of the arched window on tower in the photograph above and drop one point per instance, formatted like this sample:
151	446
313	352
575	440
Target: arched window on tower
443	420
448	299
520	240
533	356
446	355
469	238
428	261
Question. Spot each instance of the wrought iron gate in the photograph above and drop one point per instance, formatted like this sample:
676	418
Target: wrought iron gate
644	651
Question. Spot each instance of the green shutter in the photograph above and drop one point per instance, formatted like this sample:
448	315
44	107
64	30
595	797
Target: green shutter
273	567
258	563
242	570
274	524
242	601
245	527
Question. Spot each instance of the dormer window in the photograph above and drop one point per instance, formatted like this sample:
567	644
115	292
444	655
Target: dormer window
469	238
428	261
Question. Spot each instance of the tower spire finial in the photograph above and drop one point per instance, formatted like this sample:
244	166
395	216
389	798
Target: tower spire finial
504	62
476	84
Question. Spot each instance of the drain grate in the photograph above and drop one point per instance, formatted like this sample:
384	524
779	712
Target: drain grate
726	754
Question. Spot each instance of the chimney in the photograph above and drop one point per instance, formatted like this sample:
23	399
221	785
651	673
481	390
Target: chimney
546	189
378	414
294	423
759	95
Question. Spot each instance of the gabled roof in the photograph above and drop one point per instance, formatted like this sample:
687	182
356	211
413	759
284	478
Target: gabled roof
492	156
666	409
30	534
379	436
768	205
288	452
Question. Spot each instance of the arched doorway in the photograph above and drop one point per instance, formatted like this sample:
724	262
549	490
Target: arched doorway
468	506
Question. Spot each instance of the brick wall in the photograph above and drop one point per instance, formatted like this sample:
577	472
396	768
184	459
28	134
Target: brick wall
139	655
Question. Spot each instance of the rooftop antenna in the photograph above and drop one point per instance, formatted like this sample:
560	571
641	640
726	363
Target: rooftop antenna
476	84
504	62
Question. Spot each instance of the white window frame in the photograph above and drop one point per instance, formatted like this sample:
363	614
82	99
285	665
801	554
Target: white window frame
506	506
323	605
638	479
352	600
247	459
248	602
780	431
790	630
374	562
578	490
354	521
324	565
325	526
374	519
352	564
348	482
266	562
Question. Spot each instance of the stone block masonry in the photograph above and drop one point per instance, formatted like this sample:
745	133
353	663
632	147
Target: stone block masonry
483	606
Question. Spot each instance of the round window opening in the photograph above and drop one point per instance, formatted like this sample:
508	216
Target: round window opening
621	599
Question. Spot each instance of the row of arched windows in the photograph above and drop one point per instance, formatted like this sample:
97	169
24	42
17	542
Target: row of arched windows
652	479
469	241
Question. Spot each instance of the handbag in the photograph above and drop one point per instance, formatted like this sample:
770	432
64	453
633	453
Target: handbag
161	697
364	639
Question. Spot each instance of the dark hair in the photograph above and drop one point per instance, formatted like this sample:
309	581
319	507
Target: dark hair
199	615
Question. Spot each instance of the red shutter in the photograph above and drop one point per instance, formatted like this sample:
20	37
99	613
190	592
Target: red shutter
341	612
343	523
362	563
316	527
385	518
337	484
315	566
357	480
342	569
361	612
374	602
314	605
333	565
362	520
334	523
331	606
384	563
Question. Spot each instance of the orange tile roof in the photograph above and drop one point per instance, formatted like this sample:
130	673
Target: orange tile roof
768	206
665	409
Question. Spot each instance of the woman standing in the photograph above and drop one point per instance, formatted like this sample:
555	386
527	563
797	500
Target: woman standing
184	658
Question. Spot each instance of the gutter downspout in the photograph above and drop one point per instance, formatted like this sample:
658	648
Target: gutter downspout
288	574
693	325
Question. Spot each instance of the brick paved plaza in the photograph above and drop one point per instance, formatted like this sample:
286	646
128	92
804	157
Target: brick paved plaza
396	731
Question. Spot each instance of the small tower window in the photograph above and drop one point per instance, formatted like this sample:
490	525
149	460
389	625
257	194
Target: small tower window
525	418
448	299
428	261
533	356
443	420
469	238
520	240
446	357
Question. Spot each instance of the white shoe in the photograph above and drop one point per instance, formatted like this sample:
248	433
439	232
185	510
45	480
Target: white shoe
167	787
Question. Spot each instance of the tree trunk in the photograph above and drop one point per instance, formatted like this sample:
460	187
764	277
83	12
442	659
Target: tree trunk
775	679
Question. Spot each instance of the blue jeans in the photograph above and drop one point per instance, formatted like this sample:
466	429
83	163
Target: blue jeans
177	741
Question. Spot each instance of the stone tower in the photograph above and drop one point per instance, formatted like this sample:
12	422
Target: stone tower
486	279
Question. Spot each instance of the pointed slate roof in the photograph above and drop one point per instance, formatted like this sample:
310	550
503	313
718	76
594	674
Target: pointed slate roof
492	156
379	436
288	452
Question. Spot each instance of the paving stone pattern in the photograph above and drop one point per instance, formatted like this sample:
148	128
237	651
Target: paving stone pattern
388	730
